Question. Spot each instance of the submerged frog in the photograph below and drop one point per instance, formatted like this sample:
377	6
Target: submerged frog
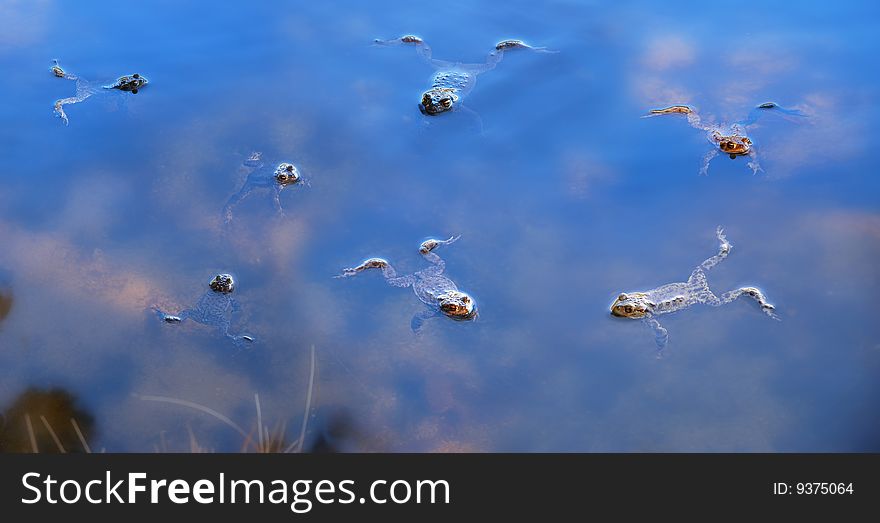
732	139
672	297
84	89
215	308
452	81
438	292
261	176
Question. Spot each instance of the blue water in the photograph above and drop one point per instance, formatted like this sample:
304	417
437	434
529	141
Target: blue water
563	197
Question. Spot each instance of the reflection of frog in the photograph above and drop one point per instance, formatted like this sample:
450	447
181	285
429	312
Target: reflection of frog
453	81
261	177
673	297
436	291
728	139
215	308
6	301
84	89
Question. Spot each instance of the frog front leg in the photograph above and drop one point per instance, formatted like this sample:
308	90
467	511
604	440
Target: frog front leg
661	336
704	168
276	198
419	319
753	161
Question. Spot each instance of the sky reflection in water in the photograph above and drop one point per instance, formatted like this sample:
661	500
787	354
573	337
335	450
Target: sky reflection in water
563	197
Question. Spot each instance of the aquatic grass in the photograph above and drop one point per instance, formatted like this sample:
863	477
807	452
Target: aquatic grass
53	435
32	437
266	441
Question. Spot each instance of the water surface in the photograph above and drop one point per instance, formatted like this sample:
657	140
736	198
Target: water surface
563	197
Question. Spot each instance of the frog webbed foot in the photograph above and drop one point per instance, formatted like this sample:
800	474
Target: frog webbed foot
753	162
171	318
419	319
242	341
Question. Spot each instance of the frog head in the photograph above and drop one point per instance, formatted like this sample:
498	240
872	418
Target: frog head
457	305
438	100
130	83
734	145
222	284
286	174
633	305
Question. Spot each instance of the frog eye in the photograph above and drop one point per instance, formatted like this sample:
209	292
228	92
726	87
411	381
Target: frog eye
135	75
621	297
628	309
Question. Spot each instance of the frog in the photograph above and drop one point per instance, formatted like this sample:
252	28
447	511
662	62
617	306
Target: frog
731	139
85	89
261	176
215	308
130	83
452	81
673	297
439	293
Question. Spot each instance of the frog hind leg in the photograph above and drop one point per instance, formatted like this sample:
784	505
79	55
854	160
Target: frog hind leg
439	265
422	48
419	319
724	248
698	288
388	271
753	293
234	200
698	284
83	91
496	55
759	111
